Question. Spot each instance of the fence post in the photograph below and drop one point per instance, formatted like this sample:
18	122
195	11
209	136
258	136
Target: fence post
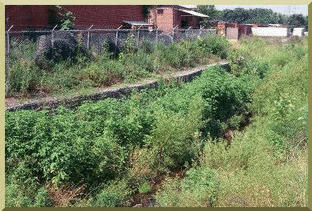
138	37
188	29
173	32
116	39
52	36
200	31
8	39
88	40
157	35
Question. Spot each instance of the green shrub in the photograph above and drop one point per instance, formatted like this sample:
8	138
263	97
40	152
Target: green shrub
112	195
15	197
142	165
197	189
174	55
213	44
170	193
43	199
174	137
145	188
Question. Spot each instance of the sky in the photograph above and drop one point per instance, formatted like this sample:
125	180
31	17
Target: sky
284	9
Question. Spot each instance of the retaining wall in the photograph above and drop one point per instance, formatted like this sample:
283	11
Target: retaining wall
110	92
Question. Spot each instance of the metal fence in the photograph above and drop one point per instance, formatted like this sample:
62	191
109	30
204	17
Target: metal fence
94	38
27	43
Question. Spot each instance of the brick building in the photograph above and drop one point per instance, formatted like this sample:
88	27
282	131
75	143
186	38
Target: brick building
106	16
233	31
167	17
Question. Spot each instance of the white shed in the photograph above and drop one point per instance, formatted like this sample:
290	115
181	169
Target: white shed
299	32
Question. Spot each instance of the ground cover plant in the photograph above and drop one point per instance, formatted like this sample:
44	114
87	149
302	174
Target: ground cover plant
166	147
101	69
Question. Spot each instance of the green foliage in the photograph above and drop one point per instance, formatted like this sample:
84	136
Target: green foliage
173	137
122	144
112	195
145	10
211	11
22	75
59	15
20	196
297	20
145	188
254	16
82	72
213	44
197	189
43	199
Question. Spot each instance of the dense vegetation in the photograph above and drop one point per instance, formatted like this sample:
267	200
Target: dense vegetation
24	78
168	142
253	16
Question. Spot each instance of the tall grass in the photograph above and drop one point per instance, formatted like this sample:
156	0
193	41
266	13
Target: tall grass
25	78
266	164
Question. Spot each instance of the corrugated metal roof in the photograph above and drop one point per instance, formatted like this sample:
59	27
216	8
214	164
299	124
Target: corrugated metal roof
138	23
194	13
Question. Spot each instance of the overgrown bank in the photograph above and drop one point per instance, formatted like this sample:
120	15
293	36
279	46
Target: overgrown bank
87	71
104	153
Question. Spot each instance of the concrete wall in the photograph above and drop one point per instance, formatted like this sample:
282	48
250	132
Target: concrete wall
298	32
269	31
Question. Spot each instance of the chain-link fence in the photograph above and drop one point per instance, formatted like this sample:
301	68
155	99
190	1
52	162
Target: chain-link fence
94	38
29	45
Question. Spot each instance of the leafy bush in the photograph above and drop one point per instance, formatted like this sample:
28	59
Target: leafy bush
112	195
197	189
145	188
174	136
19	196
213	44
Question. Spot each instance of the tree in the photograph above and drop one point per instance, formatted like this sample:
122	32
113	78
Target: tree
62	17
211	11
282	19
262	16
297	20
238	15
306	21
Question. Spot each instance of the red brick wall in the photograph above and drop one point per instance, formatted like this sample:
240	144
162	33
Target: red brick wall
23	17
244	30
108	16
164	20
220	28
170	17
105	16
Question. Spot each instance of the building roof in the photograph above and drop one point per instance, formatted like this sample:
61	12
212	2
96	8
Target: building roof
138	23
193	13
